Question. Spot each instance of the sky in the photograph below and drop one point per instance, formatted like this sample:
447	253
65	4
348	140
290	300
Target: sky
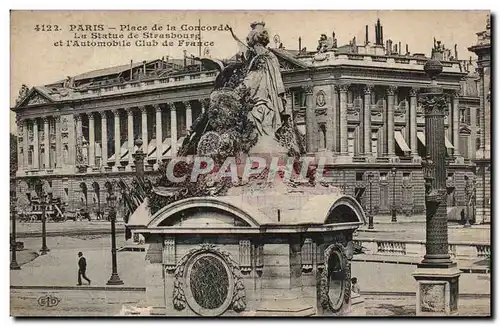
36	61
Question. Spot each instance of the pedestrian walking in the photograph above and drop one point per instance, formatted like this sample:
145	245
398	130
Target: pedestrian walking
82	267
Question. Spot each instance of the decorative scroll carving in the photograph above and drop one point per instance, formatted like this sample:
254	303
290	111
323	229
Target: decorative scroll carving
307	255
157	107
344	88
90	115
64	125
433	104
321	99
245	256
414	91
171	106
368	89
321	111
238	301
391	90
130	112
116	112
169	254
187	105
143	109
420	111
308	89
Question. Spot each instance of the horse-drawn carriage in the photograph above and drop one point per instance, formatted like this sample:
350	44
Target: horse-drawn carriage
54	211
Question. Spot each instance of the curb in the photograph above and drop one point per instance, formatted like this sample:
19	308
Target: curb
412	294
24	235
384	261
80	288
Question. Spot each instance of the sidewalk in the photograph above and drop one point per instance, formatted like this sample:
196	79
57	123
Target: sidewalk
416	231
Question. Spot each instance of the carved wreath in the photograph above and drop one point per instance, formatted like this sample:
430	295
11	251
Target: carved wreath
325	284
238	301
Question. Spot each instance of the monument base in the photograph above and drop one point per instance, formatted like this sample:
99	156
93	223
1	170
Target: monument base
437	291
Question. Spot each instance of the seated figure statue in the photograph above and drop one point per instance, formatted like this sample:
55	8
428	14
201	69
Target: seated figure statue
247	107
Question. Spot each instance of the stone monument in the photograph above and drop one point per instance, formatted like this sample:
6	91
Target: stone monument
252	241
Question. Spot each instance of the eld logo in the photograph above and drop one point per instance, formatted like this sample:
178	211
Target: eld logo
48	301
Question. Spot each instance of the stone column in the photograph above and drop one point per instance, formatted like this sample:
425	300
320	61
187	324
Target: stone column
390	120
331	139
437	275
25	144
473	134
130	135
159	136
20	135
456	123
59	153
343	119
90	115
46	143
144	129
118	145
36	149
413	122
310	120
173	129
104	138
367	120
482	108
189	115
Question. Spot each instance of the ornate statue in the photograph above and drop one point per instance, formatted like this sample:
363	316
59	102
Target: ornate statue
322	46
23	92
247	106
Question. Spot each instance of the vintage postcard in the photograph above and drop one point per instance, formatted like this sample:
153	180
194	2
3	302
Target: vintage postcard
250	163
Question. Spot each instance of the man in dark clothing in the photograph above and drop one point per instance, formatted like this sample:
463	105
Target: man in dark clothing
82	267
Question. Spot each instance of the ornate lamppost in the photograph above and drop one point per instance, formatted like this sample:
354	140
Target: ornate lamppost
43	202
370	212
393	208
437	276
115	279
13	262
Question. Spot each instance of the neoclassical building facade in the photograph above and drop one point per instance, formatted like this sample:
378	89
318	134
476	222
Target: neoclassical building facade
357	106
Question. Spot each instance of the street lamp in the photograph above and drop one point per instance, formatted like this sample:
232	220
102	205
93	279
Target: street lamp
115	279
370	213
393	208
43	202
13	261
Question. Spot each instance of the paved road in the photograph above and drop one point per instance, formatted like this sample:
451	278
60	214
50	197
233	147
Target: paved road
395	231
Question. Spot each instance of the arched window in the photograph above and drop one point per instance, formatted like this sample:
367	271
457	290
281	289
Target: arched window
478	143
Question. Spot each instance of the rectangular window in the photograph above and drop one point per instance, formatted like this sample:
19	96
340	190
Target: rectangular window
406	176
383	176
375	143
478	117
462	116
359	176
299	99
350	142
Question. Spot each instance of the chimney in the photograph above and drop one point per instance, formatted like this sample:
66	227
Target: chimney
407	52
300	44
144	67
456	52
395	50
185	59
381	34
399	48
131	64
377	38
366	34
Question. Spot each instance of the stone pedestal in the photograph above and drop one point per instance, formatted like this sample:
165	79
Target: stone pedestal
437	291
